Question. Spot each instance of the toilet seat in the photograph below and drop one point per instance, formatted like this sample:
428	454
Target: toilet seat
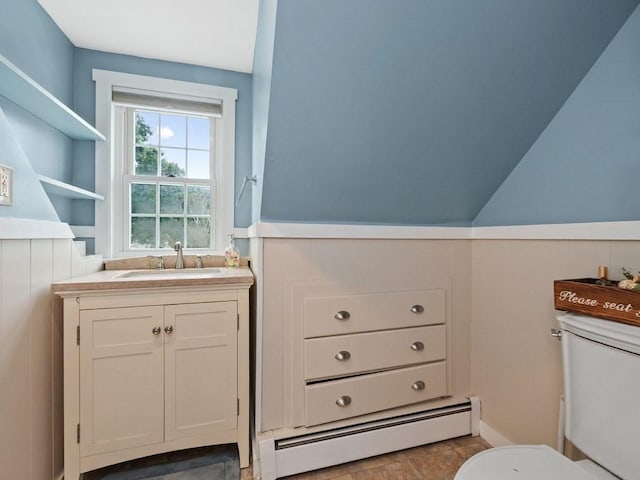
521	462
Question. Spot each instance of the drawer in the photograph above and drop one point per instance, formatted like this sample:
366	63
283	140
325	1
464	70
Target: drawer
325	316
339	399
348	354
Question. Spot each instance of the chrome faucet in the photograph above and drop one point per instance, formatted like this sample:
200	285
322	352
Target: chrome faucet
179	258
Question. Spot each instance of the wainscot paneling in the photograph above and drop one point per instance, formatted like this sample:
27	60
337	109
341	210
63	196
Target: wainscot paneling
31	354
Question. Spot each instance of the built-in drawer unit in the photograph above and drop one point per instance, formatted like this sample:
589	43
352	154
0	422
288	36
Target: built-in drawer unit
343	355
339	399
340	315
359	354
369	352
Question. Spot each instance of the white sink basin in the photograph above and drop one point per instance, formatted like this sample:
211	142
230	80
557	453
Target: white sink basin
170	272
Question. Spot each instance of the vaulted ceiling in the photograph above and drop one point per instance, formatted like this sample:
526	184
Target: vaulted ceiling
374	111
414	111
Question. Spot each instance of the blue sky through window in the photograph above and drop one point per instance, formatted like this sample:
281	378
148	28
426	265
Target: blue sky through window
183	140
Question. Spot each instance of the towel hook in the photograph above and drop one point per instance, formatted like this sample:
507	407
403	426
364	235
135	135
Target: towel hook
252	179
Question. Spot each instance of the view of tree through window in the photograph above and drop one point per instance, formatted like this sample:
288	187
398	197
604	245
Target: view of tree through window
169	191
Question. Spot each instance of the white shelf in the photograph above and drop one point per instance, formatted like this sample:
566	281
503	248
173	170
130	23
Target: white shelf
18	87
83	231
56	187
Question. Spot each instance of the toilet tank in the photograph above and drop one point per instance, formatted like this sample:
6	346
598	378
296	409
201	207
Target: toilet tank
601	361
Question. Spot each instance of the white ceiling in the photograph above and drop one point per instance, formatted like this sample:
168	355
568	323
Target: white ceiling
213	33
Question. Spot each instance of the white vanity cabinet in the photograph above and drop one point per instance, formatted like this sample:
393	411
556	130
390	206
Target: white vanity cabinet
151	370
157	373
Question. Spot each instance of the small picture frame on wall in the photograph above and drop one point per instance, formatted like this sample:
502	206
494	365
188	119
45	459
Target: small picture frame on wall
6	186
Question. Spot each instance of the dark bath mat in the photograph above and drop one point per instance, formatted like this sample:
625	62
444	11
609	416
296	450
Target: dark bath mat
206	463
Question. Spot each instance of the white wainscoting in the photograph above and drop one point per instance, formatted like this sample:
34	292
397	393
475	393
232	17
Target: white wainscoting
31	353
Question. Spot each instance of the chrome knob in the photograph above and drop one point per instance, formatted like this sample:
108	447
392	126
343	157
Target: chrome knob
156	330
556	333
343	401
168	329
342	315
419	385
417	309
417	346
342	355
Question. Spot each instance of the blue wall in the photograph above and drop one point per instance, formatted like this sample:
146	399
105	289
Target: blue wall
86	60
29	199
371	111
585	167
32	42
262	70
414	112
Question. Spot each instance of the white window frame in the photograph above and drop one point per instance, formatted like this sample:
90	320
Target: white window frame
124	145
109	231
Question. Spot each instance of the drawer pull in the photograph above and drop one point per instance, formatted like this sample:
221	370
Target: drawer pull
342	315
417	309
156	330
168	329
342	355
343	401
419	385
417	346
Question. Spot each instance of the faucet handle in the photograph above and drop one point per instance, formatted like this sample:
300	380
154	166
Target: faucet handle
159	261
198	261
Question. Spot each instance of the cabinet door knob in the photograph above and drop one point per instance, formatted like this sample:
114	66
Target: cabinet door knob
417	346
342	315
417	309
343	355
156	330
419	385
343	401
168	329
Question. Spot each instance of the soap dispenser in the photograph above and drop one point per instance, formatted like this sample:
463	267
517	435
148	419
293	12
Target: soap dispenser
231	254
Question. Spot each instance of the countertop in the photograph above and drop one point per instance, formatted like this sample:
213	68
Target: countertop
128	279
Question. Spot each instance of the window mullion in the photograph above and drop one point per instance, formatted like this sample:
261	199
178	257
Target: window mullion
184	207
125	168
213	193
157	215
169	180
129	152
186	147
159	147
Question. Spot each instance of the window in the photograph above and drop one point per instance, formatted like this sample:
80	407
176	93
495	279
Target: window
167	182
170	157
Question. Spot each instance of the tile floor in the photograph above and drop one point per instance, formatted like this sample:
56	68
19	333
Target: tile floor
437	461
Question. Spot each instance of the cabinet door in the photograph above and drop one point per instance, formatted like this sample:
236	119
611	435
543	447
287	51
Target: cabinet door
201	381
121	378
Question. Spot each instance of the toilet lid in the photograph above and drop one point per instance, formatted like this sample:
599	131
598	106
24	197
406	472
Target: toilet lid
521	462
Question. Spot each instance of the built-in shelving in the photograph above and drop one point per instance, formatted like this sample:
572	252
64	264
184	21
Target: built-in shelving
18	87
56	187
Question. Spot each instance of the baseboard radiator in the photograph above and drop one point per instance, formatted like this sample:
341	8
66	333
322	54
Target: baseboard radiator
297	454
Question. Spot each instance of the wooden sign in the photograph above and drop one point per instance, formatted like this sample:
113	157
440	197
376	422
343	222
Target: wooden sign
608	302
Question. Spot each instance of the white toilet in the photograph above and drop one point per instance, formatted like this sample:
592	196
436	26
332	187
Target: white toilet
601	362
